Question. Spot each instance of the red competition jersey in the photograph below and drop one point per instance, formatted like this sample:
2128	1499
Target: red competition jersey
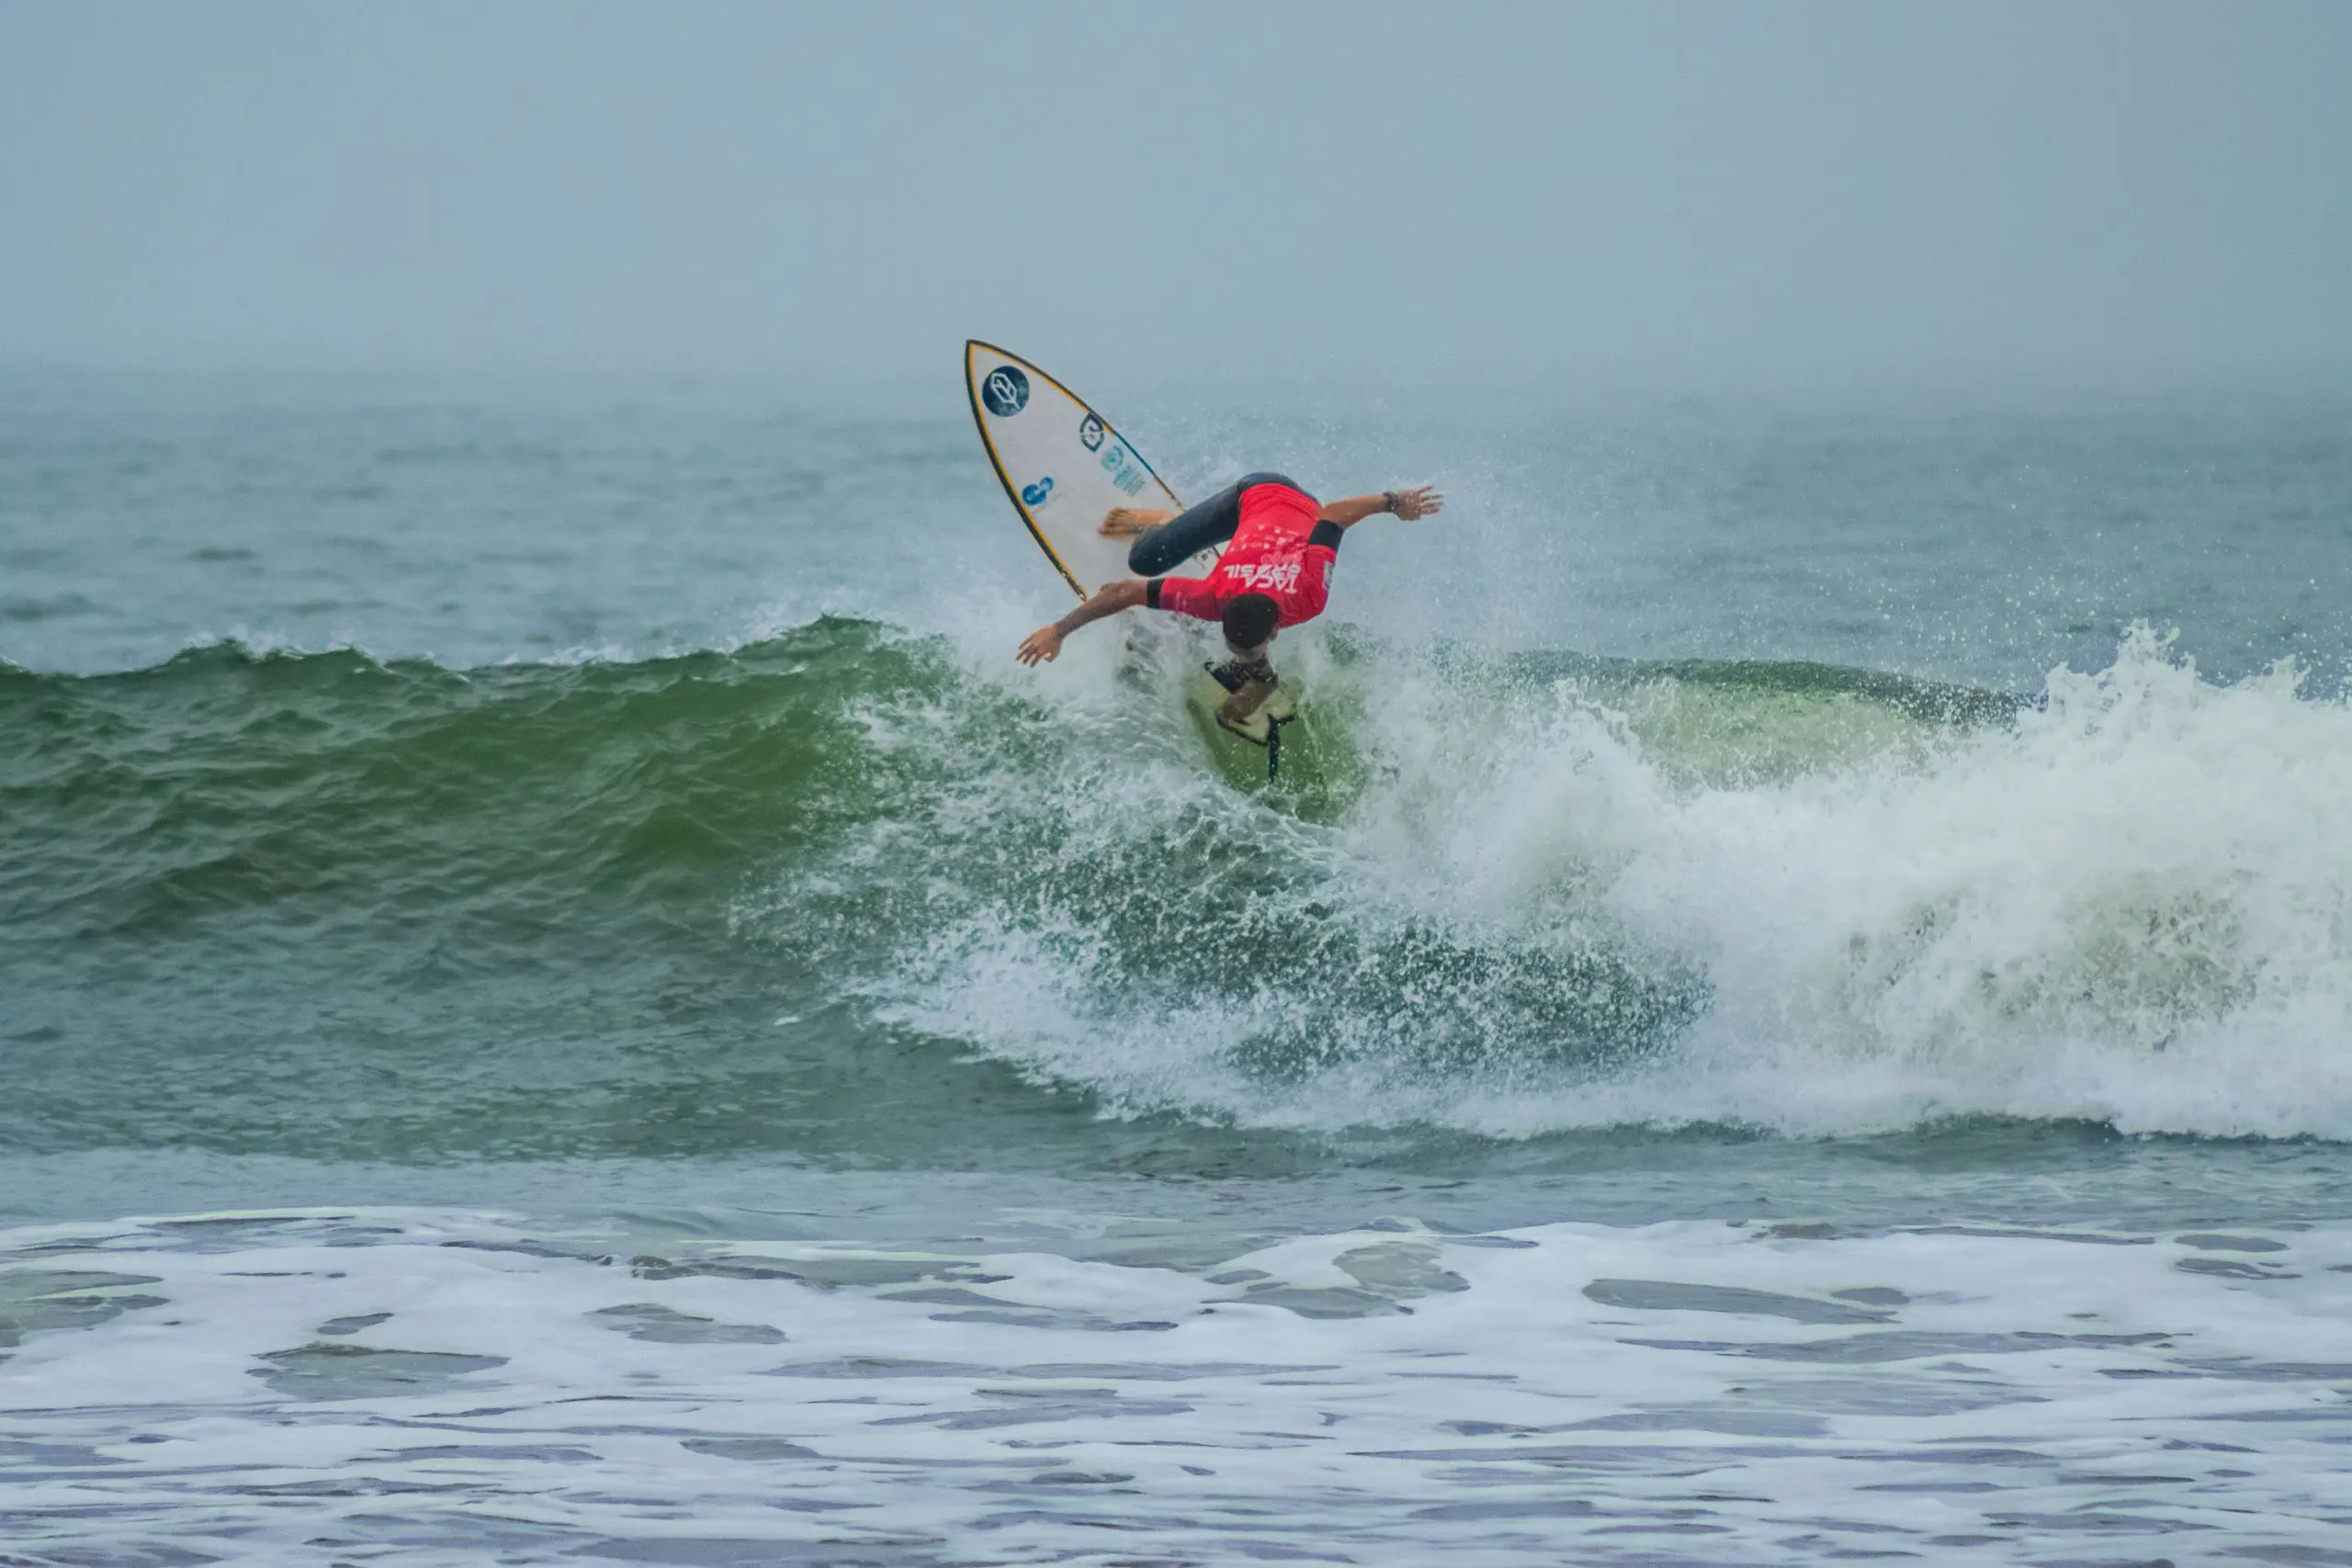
1274	552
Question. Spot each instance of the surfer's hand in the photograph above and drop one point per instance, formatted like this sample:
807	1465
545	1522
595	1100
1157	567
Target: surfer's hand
1422	501
1044	645
1236	709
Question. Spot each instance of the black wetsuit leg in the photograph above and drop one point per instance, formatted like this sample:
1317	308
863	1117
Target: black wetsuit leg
1163	548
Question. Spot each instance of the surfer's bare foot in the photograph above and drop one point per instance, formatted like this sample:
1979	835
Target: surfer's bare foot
1125	521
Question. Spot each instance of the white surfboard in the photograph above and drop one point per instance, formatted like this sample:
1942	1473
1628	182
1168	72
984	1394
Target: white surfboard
1063	464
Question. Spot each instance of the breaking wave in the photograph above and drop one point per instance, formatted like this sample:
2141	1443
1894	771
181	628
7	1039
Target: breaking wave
1496	896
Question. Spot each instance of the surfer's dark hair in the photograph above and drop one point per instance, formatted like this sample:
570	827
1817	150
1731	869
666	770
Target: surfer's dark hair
1250	619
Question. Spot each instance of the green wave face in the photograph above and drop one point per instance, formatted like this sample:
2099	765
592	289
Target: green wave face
319	905
315	904
841	896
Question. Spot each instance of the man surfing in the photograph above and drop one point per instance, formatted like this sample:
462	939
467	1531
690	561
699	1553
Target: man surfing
1277	572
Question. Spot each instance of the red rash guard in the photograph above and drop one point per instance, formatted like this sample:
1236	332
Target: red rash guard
1280	550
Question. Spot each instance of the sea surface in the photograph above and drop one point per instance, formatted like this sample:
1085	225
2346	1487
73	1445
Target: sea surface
563	999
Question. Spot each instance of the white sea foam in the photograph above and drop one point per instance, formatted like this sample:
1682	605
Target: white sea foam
2130	905
2129	908
446	1388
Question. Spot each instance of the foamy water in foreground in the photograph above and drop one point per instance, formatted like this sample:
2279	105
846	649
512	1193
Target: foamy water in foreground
448	1387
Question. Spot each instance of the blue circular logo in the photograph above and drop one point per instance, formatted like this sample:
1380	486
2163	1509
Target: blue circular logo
1005	390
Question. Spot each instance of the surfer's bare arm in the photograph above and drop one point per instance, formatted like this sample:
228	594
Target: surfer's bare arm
1420	502
1046	642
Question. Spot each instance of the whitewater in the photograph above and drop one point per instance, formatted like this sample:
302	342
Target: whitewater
564	997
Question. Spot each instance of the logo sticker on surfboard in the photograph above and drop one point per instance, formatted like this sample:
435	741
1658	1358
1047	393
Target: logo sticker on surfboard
1005	392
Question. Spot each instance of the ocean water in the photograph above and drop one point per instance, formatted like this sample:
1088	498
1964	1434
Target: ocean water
563	997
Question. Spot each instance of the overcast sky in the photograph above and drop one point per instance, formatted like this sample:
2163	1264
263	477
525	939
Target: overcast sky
1704	192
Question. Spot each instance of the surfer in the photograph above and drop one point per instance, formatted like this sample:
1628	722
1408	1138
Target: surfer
1277	574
